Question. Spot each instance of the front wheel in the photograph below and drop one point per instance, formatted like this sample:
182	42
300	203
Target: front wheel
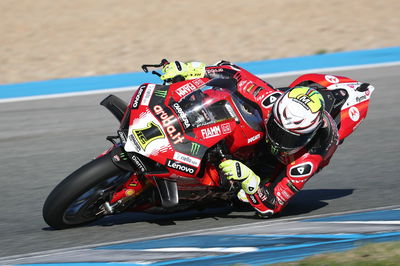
79	197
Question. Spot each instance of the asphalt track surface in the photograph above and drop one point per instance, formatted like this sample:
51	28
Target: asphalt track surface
42	141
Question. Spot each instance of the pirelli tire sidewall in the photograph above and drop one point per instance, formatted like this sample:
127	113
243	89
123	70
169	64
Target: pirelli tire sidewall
73	186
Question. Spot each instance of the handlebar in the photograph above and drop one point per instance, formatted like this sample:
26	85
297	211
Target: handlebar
163	63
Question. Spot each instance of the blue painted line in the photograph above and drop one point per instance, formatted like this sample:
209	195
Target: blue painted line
384	215
341	59
82	264
271	248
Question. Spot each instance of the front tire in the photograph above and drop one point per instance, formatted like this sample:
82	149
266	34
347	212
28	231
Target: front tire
77	199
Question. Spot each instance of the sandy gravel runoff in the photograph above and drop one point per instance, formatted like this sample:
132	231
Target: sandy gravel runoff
47	39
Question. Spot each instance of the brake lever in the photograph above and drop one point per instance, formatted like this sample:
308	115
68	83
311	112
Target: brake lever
163	63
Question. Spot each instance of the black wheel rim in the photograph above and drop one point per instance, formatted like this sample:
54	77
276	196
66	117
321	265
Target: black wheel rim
87	206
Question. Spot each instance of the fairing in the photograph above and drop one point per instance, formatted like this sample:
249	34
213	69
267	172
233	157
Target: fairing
176	125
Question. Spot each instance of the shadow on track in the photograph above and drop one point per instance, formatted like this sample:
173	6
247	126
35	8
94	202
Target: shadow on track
304	202
307	201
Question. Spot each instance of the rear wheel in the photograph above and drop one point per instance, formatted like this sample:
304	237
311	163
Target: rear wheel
79	198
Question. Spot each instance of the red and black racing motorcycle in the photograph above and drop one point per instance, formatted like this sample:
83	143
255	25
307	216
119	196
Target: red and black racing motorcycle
170	142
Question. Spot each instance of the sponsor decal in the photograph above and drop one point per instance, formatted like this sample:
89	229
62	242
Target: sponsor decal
238	170
138	97
354	114
246	85
361	98
226	128
160	93
253	199
230	110
271	99
250	87
331	79
187	159
301	170
122	136
262	194
148	134
257	91
214	70
215	131
182	115
274	150
254	138
211	132
243	83
135	143
367	92
139	163
194	150
148	94
123	156
198	82
186	89
180	166
168	123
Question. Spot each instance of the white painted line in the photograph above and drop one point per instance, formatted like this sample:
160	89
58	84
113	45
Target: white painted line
191	249
132	88
263	223
69	94
365	222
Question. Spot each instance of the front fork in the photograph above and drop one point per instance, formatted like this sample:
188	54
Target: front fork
131	188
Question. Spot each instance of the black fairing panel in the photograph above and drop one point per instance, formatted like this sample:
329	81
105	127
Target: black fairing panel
115	105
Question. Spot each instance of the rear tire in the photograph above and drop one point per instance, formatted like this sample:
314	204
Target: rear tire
88	180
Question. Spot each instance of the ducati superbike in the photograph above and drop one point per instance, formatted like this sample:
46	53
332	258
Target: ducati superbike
165	155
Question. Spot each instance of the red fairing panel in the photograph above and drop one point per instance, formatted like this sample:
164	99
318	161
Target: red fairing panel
321	79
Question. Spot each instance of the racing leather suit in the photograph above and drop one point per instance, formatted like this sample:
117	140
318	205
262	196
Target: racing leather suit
291	172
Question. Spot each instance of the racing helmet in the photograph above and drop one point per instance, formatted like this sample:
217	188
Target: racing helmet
294	120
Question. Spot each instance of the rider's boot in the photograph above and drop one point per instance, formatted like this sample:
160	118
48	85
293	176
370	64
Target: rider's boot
269	199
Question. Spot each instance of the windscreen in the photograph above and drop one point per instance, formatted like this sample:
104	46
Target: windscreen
202	107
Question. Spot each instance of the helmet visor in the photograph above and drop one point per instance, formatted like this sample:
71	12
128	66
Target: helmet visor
285	140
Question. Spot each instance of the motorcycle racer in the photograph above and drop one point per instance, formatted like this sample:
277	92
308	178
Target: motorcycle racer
301	136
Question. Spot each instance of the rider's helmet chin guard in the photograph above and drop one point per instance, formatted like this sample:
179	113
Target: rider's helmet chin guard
294	120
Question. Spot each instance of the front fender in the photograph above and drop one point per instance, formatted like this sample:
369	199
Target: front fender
121	159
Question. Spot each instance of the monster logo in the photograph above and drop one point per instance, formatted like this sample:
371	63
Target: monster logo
195	148
160	93
148	134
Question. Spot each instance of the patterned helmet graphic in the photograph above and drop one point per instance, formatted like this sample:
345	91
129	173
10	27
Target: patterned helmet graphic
299	110
295	118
